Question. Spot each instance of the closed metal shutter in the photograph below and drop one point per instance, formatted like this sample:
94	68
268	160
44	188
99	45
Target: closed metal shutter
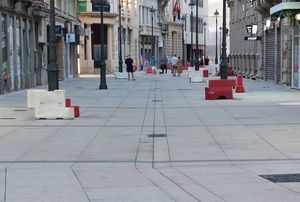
278	57
270	55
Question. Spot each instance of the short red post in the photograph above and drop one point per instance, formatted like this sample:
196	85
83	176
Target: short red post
239	84
68	102
76	111
205	73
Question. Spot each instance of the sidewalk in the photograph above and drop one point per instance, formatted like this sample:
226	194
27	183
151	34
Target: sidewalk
202	150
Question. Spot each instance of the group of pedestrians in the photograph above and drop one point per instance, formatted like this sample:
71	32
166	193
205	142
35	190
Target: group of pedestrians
175	62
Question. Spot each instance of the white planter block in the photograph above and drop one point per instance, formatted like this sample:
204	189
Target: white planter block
53	112
212	69
33	97
36	98
191	69
121	75
197	78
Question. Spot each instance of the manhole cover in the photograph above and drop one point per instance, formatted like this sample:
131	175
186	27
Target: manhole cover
282	178
157	135
156	100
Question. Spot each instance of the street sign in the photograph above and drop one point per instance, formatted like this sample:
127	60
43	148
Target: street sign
97	6
252	38
252	29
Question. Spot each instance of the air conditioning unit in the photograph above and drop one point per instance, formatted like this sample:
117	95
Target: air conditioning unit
42	31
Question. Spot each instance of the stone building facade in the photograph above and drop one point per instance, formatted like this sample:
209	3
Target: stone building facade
90	44
23	56
269	54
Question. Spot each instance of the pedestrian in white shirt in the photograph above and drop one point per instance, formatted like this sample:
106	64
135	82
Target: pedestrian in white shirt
174	64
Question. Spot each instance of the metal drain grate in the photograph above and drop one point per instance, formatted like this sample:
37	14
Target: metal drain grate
20	110
7	118
184	89
157	135
282	178
156	100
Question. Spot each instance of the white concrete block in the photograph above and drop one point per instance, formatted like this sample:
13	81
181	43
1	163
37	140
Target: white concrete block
212	69
33	97
121	75
37	98
53	112
197	78
190	69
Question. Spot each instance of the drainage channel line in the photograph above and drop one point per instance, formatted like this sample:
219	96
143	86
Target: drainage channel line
154	119
206	127
5	185
178	185
100	130
201	185
166	130
142	128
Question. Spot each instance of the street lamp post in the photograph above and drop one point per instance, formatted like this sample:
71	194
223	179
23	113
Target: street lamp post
152	10
216	14
224	61
204	26
183	18
192	4
220	28
120	39
103	85
53	70
197	36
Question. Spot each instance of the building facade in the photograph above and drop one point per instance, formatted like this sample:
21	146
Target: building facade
89	16
24	38
290	31
266	54
182	36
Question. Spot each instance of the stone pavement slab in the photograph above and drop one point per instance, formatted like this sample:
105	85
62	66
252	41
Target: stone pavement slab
199	150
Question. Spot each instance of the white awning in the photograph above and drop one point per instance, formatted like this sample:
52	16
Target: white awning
285	6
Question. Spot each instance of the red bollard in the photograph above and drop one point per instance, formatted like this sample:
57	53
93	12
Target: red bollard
205	73
68	102
76	111
239	84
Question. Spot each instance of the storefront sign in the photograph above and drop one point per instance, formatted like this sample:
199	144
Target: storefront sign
70	38
82	6
58	30
252	38
160	42
252	29
97	6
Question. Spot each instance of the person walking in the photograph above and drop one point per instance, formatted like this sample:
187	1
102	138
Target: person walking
129	67
174	65
164	62
179	66
153	64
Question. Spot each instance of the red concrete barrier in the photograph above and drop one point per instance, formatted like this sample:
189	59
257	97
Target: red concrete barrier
239	84
219	89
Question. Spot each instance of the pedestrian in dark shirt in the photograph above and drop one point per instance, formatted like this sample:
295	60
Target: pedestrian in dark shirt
164	62
129	67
